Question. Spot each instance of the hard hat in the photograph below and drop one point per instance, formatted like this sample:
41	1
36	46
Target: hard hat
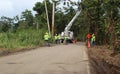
46	33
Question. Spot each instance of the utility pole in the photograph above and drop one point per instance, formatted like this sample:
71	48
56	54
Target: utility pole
53	14
47	17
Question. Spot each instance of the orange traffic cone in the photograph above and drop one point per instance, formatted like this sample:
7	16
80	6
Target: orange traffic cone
88	44
75	41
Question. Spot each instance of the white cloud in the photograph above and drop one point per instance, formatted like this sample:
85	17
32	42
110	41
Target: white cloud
12	8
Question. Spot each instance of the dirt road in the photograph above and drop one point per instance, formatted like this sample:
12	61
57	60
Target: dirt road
60	59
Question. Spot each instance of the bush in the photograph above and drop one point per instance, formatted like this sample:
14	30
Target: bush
22	39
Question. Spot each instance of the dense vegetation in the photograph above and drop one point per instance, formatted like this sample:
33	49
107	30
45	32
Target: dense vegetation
21	39
101	17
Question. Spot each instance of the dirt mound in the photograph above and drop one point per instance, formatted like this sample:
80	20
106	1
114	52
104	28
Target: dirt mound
102	62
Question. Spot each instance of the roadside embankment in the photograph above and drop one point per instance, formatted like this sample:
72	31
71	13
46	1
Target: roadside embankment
102	62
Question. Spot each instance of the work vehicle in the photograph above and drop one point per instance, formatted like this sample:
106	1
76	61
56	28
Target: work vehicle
67	31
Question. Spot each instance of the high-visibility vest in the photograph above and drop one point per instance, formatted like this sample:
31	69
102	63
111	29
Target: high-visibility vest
59	37
93	38
46	37
56	38
66	37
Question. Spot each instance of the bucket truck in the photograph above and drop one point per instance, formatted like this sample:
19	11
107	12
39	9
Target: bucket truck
67	31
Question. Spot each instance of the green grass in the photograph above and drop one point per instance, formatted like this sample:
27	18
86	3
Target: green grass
22	39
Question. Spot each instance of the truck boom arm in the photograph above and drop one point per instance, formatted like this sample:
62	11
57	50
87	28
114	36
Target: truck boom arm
67	28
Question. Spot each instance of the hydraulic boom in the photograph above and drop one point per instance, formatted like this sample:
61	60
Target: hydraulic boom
67	28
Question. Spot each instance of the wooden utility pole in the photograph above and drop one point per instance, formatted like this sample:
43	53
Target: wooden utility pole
47	17
53	11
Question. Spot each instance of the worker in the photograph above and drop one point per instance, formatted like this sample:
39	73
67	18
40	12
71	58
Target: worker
88	40
56	38
93	39
59	38
88	36
46	38
66	39
62	37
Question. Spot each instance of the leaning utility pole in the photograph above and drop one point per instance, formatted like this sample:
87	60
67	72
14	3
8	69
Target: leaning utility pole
47	17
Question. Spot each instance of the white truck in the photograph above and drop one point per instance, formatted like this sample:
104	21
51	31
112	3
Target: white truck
67	31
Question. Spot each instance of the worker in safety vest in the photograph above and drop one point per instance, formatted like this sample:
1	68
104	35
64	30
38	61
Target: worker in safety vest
56	38
93	38
88	37
46	38
59	38
66	39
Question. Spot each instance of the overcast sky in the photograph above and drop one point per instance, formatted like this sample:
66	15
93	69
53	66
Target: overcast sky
12	8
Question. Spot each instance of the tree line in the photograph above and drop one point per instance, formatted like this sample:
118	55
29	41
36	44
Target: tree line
101	17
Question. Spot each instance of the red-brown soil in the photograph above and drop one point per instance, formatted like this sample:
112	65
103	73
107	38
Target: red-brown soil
102	61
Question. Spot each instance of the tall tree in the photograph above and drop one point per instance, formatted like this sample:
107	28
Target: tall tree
111	8
41	16
102	18
27	17
7	24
